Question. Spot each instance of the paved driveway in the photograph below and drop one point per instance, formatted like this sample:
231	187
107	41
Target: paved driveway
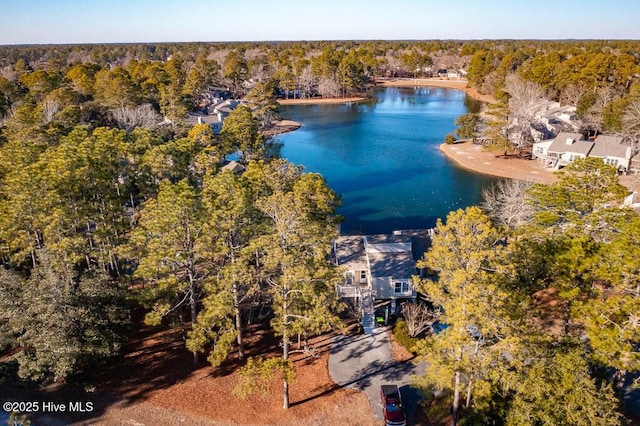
364	362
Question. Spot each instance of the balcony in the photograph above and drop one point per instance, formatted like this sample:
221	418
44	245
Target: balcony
351	290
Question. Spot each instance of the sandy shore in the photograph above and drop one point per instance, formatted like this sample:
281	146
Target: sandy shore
437	82
474	158
316	101
398	82
282	126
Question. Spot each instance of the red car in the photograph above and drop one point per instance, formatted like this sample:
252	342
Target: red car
392	408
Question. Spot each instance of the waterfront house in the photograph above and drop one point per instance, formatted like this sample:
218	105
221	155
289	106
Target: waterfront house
566	147
562	150
213	120
213	113
548	120
539	150
232	166
381	265
612	151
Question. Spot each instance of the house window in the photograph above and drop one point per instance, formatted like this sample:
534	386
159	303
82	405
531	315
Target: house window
611	161
349	277
363	276
400	287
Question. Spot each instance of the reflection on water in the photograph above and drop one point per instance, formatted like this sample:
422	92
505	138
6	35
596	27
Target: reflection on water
382	156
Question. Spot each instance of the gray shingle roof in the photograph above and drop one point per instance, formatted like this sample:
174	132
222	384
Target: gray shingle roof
385	255
194	118
609	146
579	146
396	265
349	250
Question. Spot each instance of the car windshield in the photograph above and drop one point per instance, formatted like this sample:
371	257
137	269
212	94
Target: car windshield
394	406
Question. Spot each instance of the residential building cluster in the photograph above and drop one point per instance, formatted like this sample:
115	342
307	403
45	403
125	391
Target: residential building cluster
214	107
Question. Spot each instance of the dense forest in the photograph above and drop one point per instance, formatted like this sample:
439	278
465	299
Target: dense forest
110	203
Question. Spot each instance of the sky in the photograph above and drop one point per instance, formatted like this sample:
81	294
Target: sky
134	21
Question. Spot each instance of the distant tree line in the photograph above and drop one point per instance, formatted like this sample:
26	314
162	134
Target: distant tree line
600	77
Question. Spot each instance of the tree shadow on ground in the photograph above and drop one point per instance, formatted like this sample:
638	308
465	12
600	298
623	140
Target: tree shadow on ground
154	359
259	341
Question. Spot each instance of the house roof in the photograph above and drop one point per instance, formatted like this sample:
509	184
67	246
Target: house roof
349	251
233	166
387	243
578	146
392	264
195	118
420	240
609	146
384	255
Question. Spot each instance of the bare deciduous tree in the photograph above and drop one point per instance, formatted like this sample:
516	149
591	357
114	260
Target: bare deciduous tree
328	88
571	94
307	83
418	317
49	110
505	202
353	306
128	118
392	64
523	98
631	124
9	73
592	119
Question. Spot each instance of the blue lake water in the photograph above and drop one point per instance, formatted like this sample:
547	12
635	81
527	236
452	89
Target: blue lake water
382	156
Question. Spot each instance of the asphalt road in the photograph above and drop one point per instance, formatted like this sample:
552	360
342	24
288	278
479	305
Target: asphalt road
364	362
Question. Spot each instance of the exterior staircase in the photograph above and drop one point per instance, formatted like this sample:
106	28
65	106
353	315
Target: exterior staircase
368	308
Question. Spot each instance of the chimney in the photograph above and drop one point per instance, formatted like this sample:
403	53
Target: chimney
200	120
570	141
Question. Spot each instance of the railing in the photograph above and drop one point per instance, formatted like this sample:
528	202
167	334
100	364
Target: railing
348	291
408	293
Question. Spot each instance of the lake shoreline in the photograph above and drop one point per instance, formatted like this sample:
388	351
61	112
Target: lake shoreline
322	101
461	85
383	158
285	126
280	127
472	157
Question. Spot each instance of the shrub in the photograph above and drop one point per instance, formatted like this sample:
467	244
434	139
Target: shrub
401	334
449	139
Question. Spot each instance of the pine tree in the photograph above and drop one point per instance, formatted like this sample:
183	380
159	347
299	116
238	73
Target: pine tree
560	390
474	303
240	132
168	241
61	322
300	209
230	225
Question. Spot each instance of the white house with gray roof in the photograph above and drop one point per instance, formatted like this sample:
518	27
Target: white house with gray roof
213	120
562	150
566	147
214	113
383	264
612	151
